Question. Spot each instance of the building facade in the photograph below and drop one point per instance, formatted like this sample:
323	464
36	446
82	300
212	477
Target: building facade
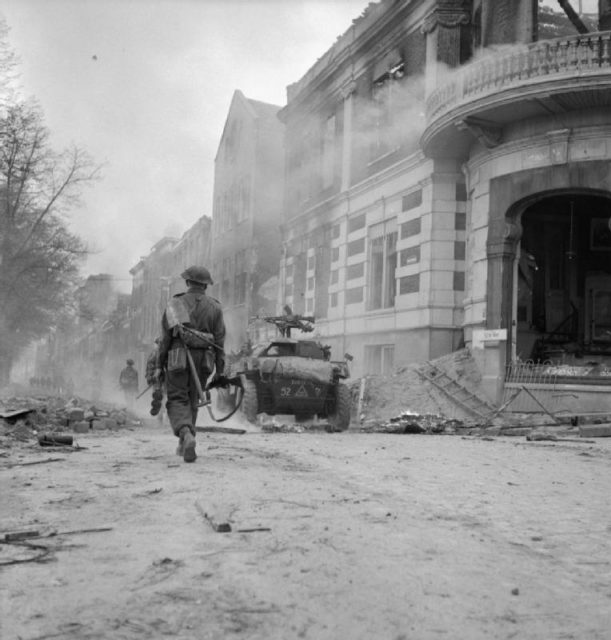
448	184
156	277
246	219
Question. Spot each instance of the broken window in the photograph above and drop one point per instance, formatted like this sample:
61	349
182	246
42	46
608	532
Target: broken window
386	98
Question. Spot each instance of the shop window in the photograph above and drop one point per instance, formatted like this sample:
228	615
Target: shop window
382	265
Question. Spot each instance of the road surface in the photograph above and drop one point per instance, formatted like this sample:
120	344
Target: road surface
357	536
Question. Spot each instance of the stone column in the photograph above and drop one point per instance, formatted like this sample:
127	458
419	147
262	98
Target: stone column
501	253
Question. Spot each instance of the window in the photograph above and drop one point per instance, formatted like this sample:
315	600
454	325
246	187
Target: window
459	281
410	228
411	200
334	276
409	284
311	262
356	246
354	295
355	271
328	153
335	231
380	359
357	222
310	284
410	256
288	270
309	305
385	98
382	265
459	250
460	221
335	254
461	192
333	301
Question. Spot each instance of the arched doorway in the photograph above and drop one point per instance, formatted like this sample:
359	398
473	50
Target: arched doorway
562	286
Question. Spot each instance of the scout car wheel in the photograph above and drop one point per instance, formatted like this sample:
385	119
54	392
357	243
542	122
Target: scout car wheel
250	403
339	418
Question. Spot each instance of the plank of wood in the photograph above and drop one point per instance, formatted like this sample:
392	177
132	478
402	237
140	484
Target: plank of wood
218	524
21	535
220	430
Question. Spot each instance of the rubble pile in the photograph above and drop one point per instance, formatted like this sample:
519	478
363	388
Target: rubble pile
23	418
387	397
409	422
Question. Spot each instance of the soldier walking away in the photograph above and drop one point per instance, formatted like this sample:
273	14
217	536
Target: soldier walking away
128	381
192	344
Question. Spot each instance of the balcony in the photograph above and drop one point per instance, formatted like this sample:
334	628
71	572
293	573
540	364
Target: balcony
548	77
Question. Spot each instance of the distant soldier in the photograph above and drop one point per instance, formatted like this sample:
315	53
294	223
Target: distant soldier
128	381
193	321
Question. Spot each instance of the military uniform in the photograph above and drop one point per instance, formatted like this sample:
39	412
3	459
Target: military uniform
204	314
128	381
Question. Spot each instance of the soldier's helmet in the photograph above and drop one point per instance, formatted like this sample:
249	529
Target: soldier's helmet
200	275
129	361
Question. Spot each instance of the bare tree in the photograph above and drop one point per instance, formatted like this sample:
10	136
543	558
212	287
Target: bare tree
39	256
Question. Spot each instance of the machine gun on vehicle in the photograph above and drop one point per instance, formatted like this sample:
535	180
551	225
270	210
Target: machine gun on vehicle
289	321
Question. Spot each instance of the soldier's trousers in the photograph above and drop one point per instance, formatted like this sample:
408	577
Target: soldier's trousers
182	398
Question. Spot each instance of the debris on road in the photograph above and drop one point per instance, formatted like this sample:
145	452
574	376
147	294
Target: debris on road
409	422
220	430
218	524
595	431
21	535
53	439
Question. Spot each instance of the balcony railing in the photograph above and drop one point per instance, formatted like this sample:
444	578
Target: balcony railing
547	60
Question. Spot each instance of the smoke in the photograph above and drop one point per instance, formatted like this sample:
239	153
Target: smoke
389	119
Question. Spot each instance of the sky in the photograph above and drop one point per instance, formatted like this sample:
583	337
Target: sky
144	86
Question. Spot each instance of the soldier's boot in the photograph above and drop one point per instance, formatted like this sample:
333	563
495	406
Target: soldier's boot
186	447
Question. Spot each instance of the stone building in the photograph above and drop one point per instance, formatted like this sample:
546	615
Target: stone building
449	184
156	277
247	213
